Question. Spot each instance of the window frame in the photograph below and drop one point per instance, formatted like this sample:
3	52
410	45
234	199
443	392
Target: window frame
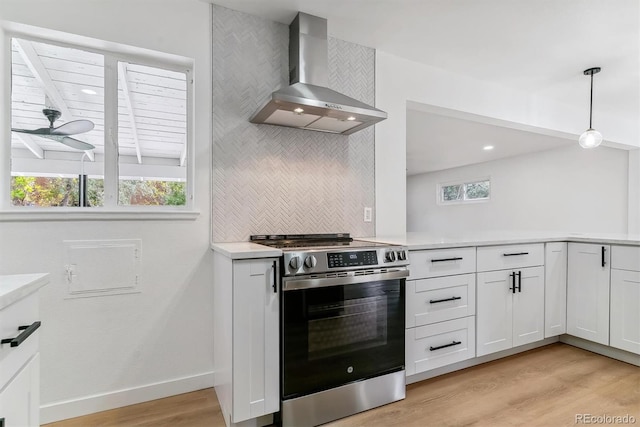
462	182
112	54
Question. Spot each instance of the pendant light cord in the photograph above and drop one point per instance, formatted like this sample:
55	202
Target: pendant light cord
591	102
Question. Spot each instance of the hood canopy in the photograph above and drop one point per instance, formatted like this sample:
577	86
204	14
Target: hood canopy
308	103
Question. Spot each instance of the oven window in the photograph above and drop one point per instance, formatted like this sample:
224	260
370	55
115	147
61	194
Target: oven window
335	335
346	326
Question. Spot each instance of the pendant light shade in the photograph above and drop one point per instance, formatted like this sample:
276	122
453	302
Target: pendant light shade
590	138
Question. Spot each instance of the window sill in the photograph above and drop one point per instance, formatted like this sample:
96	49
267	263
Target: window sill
95	214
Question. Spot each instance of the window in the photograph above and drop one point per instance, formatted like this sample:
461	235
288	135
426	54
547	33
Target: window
68	103
472	191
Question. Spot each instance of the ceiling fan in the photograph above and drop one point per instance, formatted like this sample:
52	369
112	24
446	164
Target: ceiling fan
62	132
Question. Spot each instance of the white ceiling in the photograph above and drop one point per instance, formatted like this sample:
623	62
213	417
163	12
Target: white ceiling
540	47
436	142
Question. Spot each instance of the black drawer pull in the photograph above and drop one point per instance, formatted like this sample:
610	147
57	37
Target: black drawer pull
445	346
26	331
516	254
435	301
446	259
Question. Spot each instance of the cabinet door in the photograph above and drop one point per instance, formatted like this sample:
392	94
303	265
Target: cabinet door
555	289
625	316
494	312
20	401
256	354
588	291
528	306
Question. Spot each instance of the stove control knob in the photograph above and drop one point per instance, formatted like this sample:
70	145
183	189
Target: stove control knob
402	255
310	261
294	263
390	256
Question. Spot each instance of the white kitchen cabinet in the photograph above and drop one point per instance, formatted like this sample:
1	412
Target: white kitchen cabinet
439	344
19	352
440	308
19	402
505	318
246	337
625	313
588	284
555	289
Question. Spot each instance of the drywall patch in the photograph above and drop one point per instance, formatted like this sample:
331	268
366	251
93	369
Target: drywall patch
102	267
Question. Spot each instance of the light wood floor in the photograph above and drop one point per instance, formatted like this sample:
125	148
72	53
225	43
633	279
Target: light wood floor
543	387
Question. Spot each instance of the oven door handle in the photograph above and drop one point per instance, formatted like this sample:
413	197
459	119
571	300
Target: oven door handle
296	283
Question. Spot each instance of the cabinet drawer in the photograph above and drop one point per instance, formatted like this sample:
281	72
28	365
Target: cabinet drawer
432	346
439	299
510	256
625	258
442	262
21	313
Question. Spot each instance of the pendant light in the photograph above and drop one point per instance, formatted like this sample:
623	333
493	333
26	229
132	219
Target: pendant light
590	138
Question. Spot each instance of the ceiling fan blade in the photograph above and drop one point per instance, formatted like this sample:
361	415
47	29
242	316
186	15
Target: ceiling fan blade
78	145
41	131
71	142
73	128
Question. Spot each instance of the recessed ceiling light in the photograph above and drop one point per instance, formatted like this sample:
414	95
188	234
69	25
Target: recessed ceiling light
298	110
89	92
351	118
487	147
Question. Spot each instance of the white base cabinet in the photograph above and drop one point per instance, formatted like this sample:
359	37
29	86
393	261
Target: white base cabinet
625	298
588	291
20	353
555	289
506	318
440	344
246	338
19	402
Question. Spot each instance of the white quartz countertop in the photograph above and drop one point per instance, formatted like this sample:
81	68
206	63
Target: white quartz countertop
245	250
17	286
417	240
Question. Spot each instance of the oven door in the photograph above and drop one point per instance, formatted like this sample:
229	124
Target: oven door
340	330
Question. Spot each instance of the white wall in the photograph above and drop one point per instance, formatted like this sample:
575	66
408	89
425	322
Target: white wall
399	81
567	189
164	335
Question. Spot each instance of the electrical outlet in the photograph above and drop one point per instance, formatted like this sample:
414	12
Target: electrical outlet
367	214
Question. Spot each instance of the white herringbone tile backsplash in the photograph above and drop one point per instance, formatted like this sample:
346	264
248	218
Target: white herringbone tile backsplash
269	179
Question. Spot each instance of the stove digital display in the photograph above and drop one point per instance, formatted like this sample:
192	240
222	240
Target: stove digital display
352	259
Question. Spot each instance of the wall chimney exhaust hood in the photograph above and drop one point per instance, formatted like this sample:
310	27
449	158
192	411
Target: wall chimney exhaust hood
308	103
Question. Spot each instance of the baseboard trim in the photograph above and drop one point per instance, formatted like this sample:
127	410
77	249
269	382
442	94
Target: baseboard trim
478	360
604	350
72	408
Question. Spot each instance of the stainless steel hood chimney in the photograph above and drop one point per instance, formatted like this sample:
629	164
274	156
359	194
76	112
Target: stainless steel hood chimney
308	103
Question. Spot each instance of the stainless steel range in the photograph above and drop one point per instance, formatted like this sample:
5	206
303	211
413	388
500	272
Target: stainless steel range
342	325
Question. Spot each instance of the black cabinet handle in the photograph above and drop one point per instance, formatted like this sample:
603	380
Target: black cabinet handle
2	422
512	276
435	301
516	254
603	261
276	276
26	331
446	259
519	281
445	346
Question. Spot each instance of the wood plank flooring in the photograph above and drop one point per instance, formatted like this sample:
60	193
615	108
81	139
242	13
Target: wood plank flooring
542	387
